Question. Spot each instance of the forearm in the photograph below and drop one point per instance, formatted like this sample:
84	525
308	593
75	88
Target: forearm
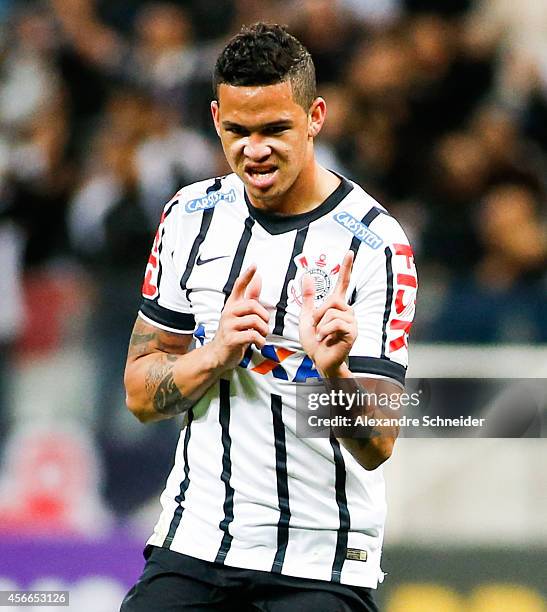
162	385
369	445
163	379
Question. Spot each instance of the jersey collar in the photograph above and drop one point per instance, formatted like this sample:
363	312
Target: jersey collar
279	224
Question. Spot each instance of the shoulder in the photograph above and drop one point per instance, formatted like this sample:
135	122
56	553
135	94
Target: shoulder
188	213
369	221
207	194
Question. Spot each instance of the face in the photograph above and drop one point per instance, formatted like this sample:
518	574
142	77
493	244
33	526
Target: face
267	138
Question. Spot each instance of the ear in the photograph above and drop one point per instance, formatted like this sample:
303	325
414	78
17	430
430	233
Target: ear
316	117
215	112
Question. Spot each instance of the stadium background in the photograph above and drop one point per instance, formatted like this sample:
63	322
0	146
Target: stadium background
438	108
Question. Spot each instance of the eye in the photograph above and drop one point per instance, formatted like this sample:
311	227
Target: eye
275	130
237	130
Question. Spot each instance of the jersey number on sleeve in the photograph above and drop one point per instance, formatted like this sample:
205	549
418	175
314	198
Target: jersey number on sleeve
150	284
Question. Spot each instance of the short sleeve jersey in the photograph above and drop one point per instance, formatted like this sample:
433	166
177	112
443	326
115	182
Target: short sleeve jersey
245	490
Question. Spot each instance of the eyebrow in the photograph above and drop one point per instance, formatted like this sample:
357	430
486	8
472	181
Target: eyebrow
264	126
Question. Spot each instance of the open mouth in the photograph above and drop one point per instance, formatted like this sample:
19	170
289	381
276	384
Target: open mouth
261	177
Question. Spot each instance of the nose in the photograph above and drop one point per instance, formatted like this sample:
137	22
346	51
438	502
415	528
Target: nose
256	148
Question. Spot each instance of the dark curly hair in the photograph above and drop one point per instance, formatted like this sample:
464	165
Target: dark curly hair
263	54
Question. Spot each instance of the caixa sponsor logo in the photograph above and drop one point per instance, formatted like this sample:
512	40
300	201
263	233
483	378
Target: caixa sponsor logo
210	200
271	357
358	229
274	360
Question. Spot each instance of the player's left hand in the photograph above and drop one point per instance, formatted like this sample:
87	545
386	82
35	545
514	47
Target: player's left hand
328	332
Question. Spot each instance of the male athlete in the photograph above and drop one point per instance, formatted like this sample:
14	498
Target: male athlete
280	272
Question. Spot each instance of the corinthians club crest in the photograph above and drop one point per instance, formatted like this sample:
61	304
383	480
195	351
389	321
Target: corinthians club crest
322	273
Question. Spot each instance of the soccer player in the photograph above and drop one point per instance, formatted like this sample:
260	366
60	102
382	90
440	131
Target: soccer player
258	281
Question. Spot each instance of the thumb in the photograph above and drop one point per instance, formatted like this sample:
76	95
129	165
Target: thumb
308	293
254	288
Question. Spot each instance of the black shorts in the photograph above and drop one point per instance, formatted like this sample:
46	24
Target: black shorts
172	582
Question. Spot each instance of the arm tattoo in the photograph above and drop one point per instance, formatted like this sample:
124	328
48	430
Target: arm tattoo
169	400
139	343
146	339
160	386
164	347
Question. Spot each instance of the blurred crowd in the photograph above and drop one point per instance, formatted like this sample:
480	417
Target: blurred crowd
438	108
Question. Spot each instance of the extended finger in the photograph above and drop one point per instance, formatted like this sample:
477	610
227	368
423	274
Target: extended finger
344	276
308	293
241	284
252	292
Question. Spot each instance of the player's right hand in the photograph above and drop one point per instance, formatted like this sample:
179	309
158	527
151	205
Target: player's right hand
244	321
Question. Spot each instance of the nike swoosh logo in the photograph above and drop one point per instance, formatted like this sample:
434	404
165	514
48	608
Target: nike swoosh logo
200	261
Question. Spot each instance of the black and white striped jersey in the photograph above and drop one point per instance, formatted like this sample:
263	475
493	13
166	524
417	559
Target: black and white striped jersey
244	489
